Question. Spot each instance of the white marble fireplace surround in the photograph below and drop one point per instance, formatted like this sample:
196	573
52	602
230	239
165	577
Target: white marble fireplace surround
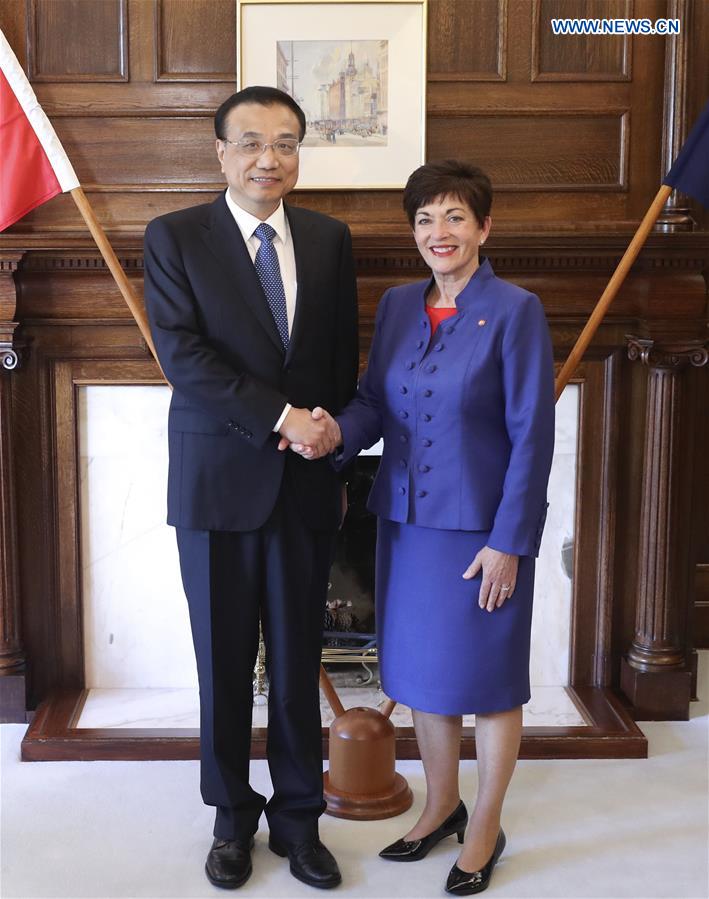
139	663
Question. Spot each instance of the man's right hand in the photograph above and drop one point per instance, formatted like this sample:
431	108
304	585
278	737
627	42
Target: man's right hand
317	433
335	434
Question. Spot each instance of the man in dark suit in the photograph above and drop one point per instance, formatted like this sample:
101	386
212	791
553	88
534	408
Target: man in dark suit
252	306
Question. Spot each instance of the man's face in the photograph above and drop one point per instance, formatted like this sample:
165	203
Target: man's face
258	183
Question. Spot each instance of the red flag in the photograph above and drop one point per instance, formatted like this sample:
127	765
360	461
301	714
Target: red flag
33	165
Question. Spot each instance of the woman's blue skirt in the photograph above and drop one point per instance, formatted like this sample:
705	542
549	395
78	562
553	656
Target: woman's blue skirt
438	650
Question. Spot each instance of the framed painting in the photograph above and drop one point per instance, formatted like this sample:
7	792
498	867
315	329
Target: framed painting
357	68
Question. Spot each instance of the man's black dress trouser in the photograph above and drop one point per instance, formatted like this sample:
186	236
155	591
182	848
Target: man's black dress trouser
280	573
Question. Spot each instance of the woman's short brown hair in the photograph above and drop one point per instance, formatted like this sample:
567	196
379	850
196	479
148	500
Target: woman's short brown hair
449	177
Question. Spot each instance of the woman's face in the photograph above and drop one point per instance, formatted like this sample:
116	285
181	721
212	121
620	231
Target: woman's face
448	236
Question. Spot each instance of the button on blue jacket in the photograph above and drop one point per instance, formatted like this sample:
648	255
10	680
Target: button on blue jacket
467	417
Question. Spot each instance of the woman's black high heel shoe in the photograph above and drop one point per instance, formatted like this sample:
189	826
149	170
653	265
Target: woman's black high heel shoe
413	850
465	883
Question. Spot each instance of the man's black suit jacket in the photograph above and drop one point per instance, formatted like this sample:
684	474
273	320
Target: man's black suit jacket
218	346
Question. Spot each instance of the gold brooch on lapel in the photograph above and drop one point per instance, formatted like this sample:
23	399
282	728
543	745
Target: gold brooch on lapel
481	322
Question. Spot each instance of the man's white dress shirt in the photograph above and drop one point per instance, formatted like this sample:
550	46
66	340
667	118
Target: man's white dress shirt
283	244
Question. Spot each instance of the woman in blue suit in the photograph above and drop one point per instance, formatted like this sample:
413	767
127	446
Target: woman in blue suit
460	384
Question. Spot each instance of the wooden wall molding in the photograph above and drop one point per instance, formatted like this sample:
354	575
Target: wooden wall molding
9	262
599	445
579	49
598	162
676	215
568	272
138	101
89	260
91	33
676	356
392	249
74	363
53	735
700	623
473	31
9	358
182	27
655	673
12	652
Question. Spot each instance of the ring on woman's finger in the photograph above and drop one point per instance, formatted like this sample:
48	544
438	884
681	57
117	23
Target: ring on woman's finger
504	588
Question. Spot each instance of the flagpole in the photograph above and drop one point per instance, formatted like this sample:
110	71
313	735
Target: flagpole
611	290
119	276
388	707
330	693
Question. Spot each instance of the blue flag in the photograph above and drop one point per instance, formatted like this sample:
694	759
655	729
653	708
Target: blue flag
690	172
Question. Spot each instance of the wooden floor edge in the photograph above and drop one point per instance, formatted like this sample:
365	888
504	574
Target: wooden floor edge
50	736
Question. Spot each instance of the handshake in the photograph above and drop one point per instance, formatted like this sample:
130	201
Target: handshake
310	434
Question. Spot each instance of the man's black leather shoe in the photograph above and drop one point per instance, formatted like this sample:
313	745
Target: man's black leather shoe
310	862
229	863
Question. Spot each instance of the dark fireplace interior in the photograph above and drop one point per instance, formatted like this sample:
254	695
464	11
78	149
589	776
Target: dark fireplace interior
349	615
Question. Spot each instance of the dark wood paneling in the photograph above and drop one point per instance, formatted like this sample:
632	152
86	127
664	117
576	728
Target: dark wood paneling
655	671
535	152
568	152
701	611
699	626
676	215
78	40
71	284
12	655
453	44
13	21
69	623
127	210
137	98
698	83
107	151
467	41
595	525
579	57
195	40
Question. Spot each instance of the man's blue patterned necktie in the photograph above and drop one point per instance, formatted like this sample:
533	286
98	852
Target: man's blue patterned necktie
269	273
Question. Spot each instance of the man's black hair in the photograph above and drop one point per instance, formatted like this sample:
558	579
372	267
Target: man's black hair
264	96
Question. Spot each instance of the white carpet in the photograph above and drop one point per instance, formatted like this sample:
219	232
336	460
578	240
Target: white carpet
635	828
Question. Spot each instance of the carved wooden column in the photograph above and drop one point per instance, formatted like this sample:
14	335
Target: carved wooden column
676	214
12	658
655	675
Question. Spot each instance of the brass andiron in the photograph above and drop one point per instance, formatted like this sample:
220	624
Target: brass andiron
260	696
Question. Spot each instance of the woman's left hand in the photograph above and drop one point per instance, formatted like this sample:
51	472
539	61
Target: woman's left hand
499	576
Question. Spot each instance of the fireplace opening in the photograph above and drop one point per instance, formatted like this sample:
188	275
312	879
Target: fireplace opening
349	637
